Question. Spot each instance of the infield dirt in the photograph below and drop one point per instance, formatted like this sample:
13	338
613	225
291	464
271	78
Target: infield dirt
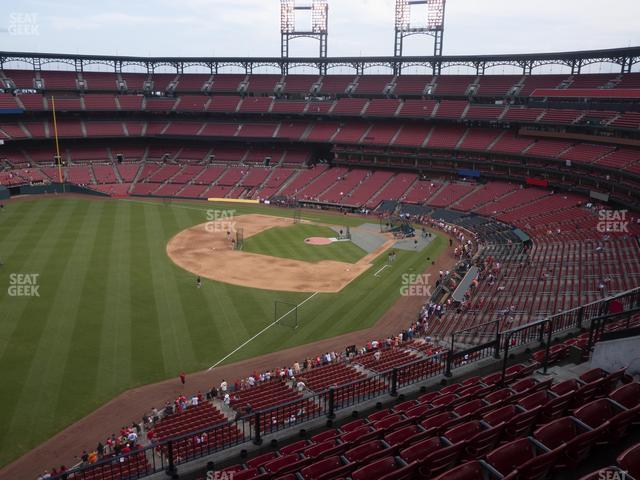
206	250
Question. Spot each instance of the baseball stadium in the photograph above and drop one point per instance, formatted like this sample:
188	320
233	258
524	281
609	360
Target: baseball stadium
317	267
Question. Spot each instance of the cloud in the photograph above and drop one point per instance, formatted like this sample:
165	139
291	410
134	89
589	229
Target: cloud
252	27
121	20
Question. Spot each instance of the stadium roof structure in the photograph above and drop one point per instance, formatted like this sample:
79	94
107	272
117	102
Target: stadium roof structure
626	58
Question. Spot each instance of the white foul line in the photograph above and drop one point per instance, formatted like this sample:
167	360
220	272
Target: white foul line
260	333
376	274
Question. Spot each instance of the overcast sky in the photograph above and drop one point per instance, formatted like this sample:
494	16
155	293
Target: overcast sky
356	27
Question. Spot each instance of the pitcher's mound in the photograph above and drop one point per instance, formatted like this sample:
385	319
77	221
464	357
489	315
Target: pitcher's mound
318	241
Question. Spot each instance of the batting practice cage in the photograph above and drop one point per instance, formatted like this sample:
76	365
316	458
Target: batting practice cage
239	239
297	216
285	314
398	225
344	233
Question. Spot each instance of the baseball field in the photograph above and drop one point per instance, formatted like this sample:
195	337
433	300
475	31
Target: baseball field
92	303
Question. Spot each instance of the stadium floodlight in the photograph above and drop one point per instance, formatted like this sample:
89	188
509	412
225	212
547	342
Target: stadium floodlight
434	23
319	25
403	14
435	14
287	16
319	16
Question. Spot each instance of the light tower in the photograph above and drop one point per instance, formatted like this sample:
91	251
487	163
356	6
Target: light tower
434	25
319	24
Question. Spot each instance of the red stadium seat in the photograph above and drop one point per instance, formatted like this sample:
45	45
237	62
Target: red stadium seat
612	379
538	399
605	412
629	460
440	423
501	415
367	452
419	411
587	392
359	435
391	422
492	379
324	436
260	460
250	474
606	381
569	434
520	370
499	396
523	455
374	417
471	381
405	406
474	470
627	395
473	409
385	468
453	388
420	450
556	407
348	427
567	386
285	464
428	397
294	447
593	375
434	456
478	390
605	473
405	435
478	437
522	423
324	449
330	467
445	400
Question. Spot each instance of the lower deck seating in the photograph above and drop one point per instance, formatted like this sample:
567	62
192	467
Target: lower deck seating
450	434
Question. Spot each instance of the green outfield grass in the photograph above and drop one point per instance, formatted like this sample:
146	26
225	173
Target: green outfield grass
288	242
113	311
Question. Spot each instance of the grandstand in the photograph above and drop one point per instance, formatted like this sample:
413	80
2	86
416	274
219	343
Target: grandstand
531	181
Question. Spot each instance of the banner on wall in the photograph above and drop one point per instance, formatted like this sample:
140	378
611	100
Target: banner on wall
537	182
465	172
603	197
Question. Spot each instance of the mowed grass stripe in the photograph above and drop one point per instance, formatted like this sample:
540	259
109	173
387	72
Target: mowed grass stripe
15	222
25	363
79	383
289	242
147	359
358	306
210	322
114	358
199	320
243	209
28	242
48	379
174	331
